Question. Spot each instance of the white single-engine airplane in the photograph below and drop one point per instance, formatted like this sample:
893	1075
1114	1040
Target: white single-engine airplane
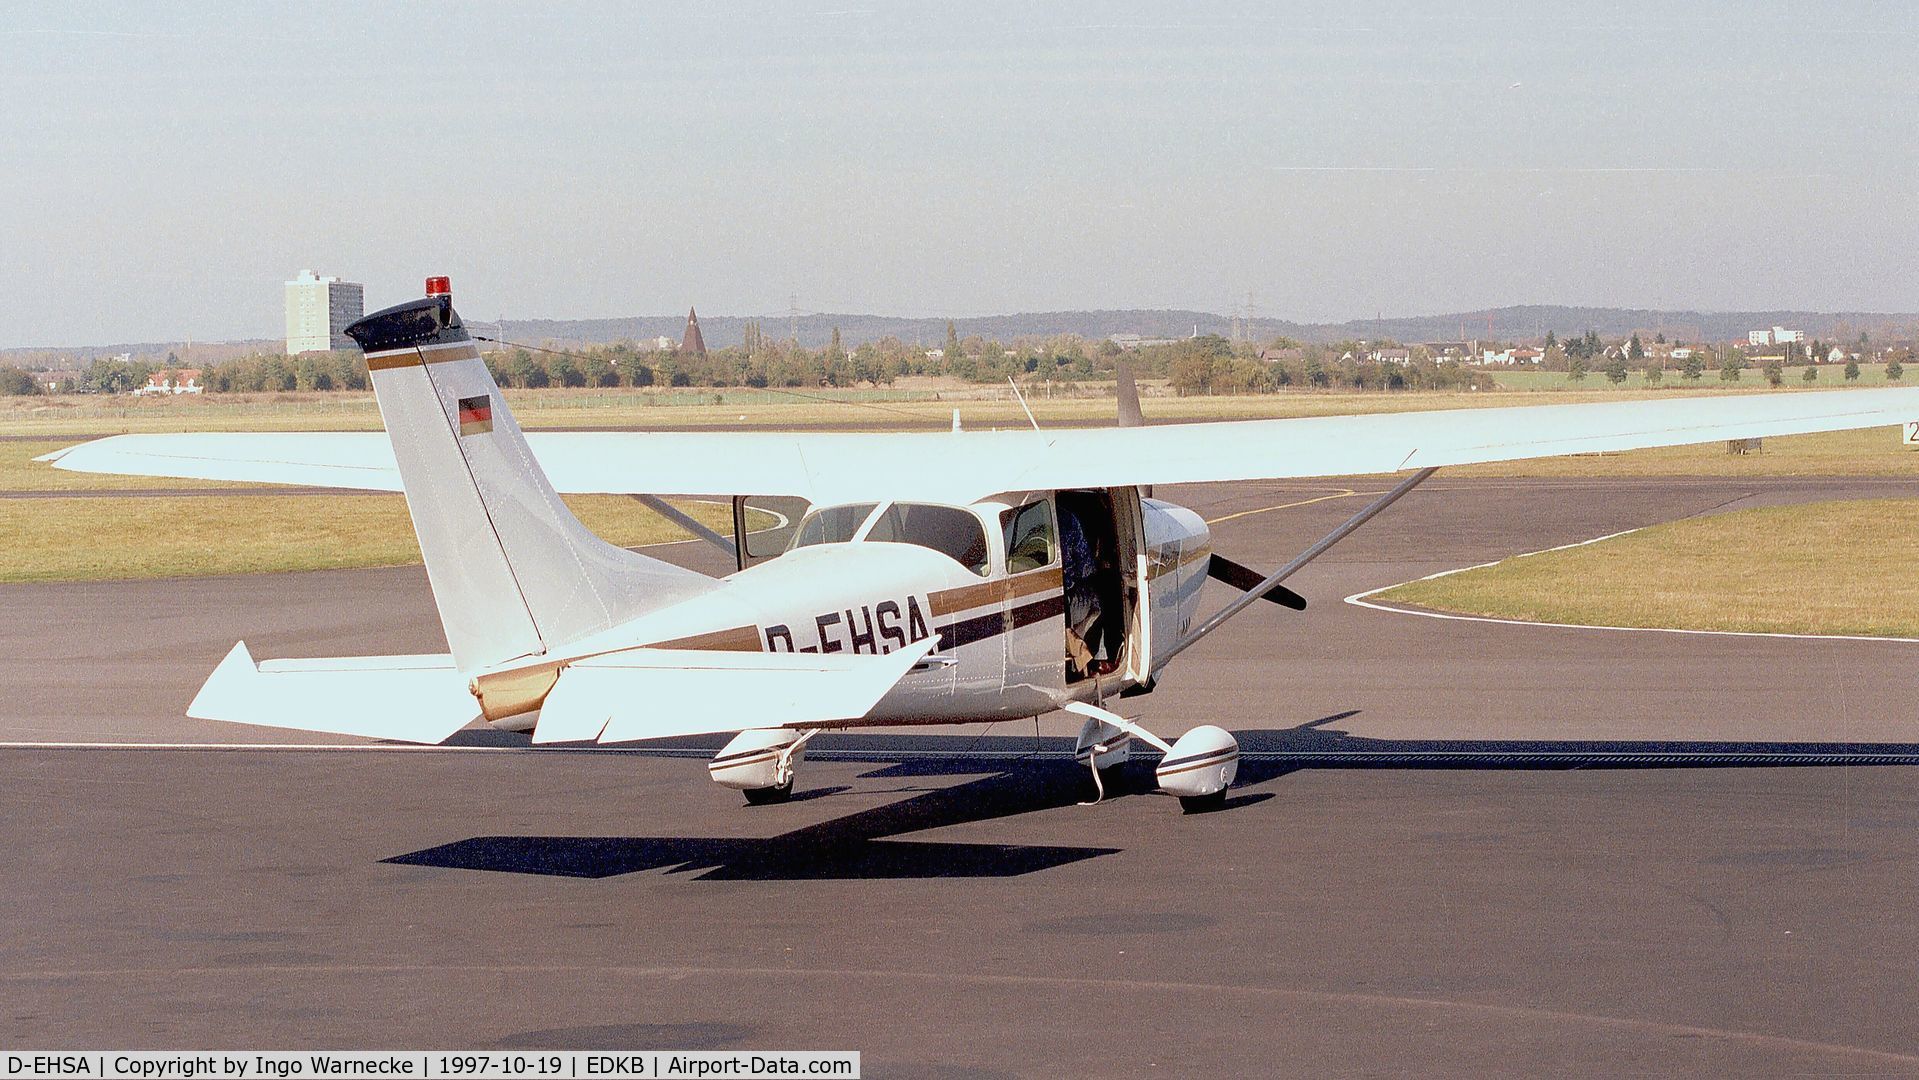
937	578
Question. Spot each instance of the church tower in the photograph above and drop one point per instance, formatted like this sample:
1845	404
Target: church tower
691	341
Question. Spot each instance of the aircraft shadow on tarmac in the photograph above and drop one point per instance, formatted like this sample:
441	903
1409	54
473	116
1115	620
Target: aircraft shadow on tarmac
854	846
1028	775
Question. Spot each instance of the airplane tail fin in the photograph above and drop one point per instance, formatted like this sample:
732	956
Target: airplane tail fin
513	572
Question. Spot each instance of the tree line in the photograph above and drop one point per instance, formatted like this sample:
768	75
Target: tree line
1207	364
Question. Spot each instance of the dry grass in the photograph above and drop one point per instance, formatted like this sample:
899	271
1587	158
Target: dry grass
1820	568
98	539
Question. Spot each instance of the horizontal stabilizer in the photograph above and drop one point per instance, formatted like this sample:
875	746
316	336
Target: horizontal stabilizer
659	693
419	699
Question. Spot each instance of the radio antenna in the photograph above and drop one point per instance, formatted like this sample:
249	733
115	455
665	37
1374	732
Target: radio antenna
1021	398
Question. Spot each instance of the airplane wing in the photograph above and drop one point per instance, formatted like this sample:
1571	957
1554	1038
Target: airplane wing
961	467
420	699
657	693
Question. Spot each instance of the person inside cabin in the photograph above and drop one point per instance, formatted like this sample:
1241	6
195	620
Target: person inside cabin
1092	638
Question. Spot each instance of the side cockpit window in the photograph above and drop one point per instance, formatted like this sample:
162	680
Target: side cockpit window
1029	536
832	524
948	530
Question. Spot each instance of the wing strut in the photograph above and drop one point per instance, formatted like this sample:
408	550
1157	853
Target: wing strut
685	521
1246	598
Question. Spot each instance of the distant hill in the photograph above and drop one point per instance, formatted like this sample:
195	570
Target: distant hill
1509	323
720	331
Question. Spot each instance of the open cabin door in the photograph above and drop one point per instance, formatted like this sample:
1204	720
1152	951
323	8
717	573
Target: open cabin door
1102	573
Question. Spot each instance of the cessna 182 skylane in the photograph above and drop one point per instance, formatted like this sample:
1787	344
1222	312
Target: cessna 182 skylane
937	578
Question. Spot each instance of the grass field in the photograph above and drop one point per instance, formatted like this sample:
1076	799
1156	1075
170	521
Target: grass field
1820	568
1831	377
99	539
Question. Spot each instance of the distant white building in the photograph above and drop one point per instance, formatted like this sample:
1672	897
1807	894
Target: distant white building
175	381
1401	357
1778	335
319	309
1129	342
1502	358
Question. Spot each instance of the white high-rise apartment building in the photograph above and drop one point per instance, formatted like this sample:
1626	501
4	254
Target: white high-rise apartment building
319	309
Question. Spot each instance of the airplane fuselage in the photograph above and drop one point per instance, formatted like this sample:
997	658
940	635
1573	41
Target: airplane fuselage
1004	648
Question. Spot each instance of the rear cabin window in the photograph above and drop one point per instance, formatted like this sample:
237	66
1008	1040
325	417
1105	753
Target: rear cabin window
948	530
1029	536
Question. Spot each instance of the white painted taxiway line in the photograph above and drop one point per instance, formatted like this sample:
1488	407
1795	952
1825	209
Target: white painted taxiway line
1342	493
1363	599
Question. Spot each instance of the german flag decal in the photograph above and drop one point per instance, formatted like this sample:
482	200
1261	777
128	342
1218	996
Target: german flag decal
476	415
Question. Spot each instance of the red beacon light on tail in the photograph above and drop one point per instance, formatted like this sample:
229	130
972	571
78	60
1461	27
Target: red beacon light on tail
439	286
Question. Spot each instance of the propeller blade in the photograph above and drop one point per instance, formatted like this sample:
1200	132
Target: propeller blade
1129	414
1246	580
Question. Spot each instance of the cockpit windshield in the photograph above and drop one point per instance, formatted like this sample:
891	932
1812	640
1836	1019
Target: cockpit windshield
949	530
832	524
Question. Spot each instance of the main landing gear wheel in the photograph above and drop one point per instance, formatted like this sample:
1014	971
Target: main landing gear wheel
767	796
760	764
1200	804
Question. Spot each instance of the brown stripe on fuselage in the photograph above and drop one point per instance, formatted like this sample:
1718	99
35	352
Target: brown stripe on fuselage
948	601
738	639
416	357
521	690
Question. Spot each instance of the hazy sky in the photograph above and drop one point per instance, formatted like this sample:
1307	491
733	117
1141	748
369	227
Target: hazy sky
163	170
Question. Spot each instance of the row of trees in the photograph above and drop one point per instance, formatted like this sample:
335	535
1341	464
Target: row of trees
1731	367
1213	365
1200	365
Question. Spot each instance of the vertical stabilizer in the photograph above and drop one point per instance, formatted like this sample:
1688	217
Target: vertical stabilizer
514	573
